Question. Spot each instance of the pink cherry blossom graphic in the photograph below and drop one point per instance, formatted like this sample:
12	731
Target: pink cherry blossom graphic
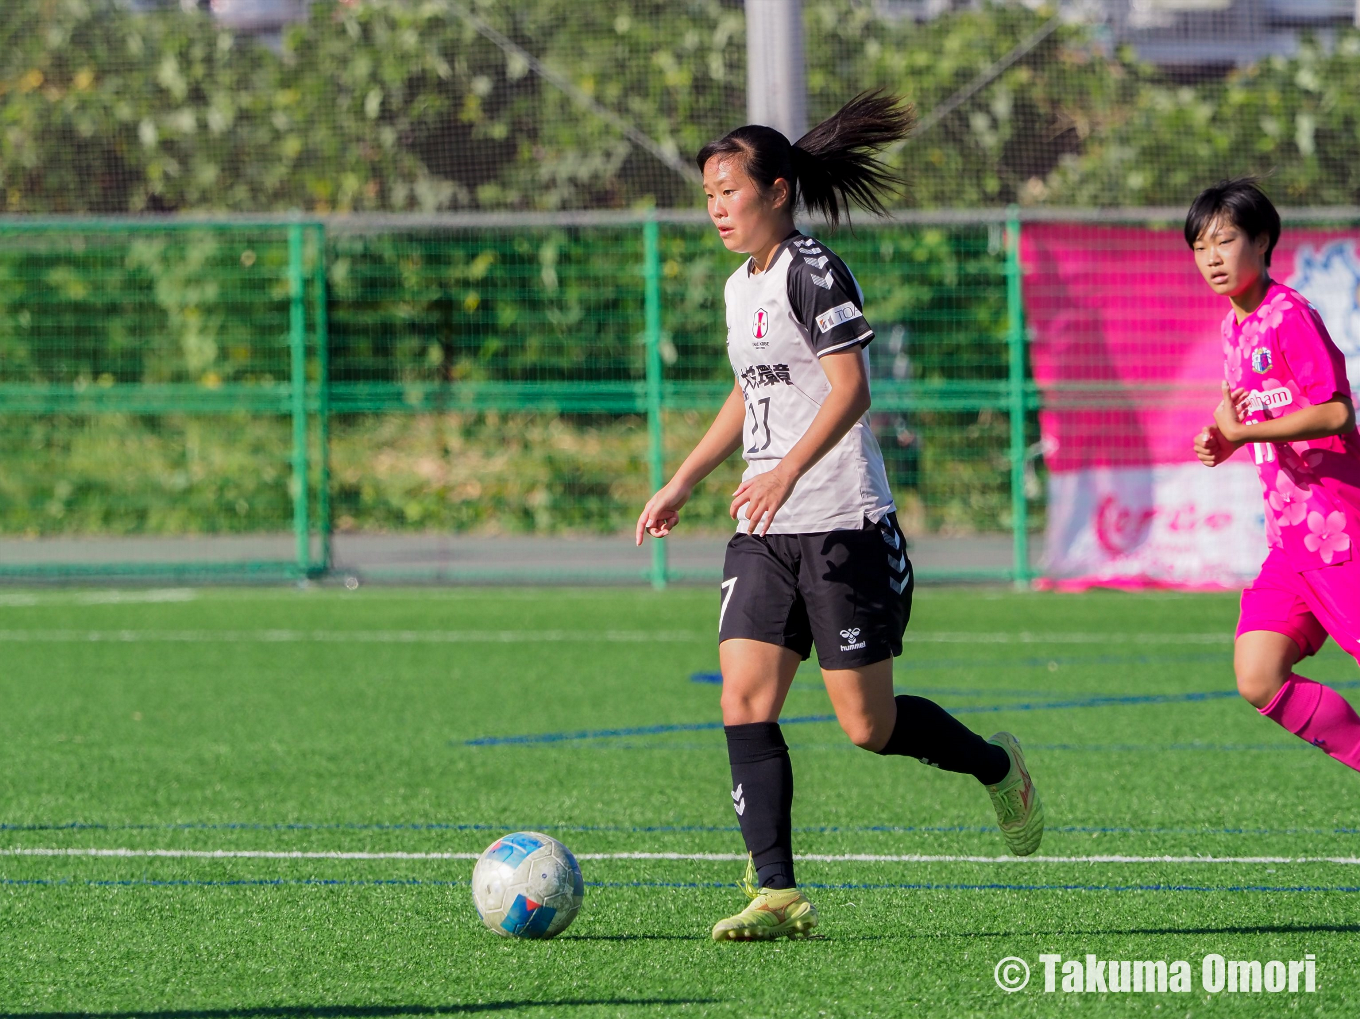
1290	500
1329	534
1234	364
1273	313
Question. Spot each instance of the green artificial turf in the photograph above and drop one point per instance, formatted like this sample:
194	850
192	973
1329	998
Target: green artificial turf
370	721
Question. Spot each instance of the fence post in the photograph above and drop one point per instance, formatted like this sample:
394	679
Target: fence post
651	275
1015	342
297	344
323	399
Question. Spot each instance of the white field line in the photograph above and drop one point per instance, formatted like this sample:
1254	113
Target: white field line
260	854
490	636
153	595
349	636
1028	637
235	854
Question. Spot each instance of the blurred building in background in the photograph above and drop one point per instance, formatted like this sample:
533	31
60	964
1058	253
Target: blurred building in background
1183	34
260	16
1223	33
257	17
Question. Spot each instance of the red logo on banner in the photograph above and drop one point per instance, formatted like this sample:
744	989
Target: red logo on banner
760	325
1120	529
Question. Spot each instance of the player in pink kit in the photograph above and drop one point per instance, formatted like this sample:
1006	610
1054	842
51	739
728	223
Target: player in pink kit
1287	399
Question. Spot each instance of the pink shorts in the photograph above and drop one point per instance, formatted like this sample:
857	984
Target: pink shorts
1308	605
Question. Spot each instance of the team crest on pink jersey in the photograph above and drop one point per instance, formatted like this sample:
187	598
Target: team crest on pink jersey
1260	360
760	324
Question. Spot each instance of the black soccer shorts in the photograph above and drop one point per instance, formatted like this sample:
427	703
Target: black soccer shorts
849	592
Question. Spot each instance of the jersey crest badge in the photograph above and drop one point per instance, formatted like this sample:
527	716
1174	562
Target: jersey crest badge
1260	360
760	323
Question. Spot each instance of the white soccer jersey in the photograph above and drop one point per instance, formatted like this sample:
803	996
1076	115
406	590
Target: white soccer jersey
779	322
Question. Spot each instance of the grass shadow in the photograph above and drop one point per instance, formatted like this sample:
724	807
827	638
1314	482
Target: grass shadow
1280	928
352	1011
625	937
1274	928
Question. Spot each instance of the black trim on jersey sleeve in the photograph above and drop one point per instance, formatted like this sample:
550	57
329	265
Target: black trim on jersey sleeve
824	298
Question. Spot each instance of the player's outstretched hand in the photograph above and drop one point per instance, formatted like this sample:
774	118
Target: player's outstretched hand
662	512
1211	448
762	496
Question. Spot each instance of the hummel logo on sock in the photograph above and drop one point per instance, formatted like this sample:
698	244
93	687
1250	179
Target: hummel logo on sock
738	800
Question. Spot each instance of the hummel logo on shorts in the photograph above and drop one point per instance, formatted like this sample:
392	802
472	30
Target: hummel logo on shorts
853	637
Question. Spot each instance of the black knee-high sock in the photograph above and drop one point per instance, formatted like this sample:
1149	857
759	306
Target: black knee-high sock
762	795
926	731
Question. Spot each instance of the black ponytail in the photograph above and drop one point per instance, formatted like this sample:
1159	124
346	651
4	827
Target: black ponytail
832	165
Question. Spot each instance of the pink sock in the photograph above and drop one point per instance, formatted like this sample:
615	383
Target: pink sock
1320	716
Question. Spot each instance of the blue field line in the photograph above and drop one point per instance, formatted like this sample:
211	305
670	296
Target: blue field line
910	886
637	730
1044	661
1117	700
906	664
990	886
1100	748
1095	702
1084	748
715	679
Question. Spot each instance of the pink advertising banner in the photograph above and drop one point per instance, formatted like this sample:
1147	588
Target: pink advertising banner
1127	355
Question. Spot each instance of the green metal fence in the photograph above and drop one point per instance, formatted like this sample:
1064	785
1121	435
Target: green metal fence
488	374
126	349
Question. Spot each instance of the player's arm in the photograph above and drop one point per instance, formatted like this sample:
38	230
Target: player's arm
847	402
1320	421
722	439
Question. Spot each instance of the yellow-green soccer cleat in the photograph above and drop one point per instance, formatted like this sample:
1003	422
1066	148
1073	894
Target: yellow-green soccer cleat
773	913
1018	809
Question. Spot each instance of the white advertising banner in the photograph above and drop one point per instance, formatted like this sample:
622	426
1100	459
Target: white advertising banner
1175	525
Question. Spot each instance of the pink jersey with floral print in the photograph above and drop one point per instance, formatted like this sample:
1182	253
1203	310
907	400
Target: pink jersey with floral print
1281	354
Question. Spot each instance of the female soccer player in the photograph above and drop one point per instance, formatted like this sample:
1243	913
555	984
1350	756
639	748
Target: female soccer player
818	556
1286	395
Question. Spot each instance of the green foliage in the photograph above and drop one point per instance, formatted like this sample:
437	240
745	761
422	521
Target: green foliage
525	305
1011	132
522	473
377	105
394	105
1296	121
126	474
511	473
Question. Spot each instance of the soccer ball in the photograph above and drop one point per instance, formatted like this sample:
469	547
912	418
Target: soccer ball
527	885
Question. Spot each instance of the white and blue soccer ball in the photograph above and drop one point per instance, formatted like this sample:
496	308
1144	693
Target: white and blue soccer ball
527	885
